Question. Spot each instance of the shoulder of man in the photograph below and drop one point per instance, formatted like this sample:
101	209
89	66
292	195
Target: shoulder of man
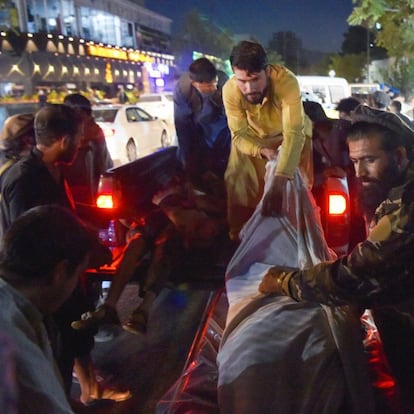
189	93
184	85
25	166
95	132
408	190
283	81
231	88
222	79
279	73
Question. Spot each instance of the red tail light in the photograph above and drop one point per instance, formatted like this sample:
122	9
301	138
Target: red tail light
337	204
105	201
335	214
108	132
107	196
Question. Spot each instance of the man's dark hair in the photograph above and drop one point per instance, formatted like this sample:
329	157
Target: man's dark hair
54	121
347	104
202	70
381	99
388	138
41	238
397	105
248	56
78	102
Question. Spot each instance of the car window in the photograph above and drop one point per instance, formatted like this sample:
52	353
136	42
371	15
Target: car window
104	115
132	115
337	93
320	92
145	116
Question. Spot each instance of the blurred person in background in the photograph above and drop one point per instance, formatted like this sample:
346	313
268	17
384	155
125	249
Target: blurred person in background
346	106
379	100
200	121
16	140
92	158
42	97
395	108
122	95
264	110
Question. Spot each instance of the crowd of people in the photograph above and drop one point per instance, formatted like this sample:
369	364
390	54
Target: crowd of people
229	132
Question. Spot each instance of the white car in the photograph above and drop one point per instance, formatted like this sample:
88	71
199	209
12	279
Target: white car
160	105
130	132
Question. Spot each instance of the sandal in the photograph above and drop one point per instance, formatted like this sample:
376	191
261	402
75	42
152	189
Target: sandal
103	315
137	322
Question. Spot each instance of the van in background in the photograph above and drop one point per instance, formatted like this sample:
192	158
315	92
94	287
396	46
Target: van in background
329	90
362	91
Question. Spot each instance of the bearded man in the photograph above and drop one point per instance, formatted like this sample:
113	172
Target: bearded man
378	273
265	113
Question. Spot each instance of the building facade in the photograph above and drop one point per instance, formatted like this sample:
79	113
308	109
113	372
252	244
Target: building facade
80	44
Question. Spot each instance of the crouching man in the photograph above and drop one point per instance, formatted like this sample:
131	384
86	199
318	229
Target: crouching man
45	251
378	273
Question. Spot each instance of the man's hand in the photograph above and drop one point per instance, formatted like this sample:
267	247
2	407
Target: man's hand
268	153
276	281
273	200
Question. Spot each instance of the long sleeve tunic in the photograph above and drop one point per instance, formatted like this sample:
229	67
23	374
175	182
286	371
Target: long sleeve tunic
278	120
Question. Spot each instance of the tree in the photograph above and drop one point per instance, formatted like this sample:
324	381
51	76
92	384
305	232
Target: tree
358	38
200	34
274	58
401	76
395	19
289	47
349	66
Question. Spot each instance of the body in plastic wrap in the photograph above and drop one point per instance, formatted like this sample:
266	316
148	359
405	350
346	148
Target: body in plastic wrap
273	354
279	356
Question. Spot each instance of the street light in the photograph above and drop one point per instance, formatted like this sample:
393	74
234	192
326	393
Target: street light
368	56
378	28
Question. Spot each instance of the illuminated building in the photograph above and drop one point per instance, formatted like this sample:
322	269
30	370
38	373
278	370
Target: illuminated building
80	44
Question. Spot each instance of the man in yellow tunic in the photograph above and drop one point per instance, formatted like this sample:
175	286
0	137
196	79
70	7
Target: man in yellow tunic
264	111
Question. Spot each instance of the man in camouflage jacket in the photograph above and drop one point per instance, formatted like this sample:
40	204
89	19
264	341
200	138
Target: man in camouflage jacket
379	273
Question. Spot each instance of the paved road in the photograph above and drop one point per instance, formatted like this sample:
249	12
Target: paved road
148	364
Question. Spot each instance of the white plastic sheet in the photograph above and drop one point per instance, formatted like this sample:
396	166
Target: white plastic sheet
277	355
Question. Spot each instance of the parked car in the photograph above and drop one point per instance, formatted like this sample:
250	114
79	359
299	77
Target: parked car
160	105
130	132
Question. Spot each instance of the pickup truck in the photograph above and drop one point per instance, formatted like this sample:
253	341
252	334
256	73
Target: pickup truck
127	191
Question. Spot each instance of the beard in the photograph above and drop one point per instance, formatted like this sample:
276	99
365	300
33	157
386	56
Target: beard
68	156
372	195
255	98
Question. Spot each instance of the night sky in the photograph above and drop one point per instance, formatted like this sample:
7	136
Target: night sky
319	23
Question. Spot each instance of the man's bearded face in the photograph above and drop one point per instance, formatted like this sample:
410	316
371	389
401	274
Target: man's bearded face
373	191
377	171
252	85
70	147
